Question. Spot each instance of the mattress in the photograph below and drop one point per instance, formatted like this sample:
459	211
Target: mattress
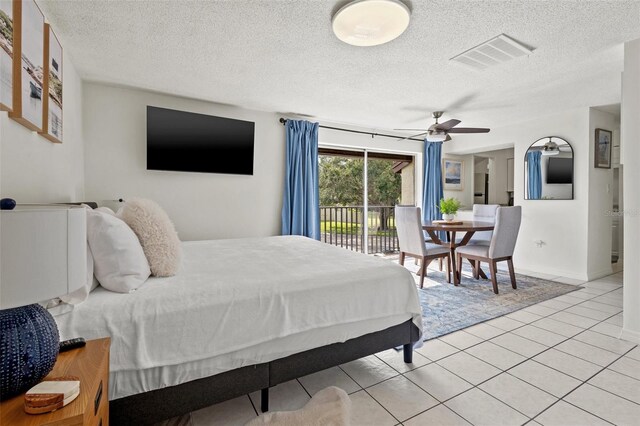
241	302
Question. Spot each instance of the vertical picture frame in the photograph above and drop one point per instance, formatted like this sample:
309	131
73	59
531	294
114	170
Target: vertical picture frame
452	174
6	54
52	90
28	64
603	146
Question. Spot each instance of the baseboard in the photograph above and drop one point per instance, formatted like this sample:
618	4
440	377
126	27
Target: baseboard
599	274
555	273
617	267
630	335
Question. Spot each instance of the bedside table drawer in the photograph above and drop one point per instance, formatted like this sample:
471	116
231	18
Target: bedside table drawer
97	410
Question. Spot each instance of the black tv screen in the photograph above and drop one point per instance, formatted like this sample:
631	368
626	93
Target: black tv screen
190	142
560	170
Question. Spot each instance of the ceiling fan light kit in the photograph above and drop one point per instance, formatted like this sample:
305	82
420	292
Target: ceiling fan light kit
371	22
439	132
437	137
550	148
548	152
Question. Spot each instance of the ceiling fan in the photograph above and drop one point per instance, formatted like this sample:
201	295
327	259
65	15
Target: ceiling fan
551	148
439	132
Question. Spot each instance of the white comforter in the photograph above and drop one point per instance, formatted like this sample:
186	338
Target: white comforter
235	294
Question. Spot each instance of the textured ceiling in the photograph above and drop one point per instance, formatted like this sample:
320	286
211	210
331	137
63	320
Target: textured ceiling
281	55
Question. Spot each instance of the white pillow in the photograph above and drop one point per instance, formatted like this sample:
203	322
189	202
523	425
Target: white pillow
81	294
119	262
105	210
156	233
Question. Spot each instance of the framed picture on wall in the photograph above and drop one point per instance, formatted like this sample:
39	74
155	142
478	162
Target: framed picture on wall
28	64
6	55
452	174
603	144
52	101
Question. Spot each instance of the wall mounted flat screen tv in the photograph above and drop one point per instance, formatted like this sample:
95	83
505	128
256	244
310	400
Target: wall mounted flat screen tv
560	170
189	142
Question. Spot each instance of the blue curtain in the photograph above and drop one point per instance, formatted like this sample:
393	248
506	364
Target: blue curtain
534	175
301	204
432	191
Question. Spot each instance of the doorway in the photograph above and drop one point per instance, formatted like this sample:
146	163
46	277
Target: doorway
493	177
617	220
358	193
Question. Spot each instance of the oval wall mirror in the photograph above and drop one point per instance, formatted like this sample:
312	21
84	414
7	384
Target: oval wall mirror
548	170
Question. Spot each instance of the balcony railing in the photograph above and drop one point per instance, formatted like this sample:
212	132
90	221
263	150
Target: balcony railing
343	226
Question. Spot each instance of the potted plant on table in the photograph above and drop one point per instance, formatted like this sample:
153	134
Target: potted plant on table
449	207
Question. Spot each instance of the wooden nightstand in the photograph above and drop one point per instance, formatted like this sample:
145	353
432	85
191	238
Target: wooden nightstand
91	407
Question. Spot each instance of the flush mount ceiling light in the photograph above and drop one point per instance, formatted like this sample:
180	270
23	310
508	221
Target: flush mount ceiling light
370	22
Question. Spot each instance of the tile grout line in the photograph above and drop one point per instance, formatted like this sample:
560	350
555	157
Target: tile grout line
371	396
252	405
583	383
305	389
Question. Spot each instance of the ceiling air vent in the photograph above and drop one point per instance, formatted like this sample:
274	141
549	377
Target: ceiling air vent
492	52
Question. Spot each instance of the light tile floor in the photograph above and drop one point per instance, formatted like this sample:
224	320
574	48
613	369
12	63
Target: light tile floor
555	363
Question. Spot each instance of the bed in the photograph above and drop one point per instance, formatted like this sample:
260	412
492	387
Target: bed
244	315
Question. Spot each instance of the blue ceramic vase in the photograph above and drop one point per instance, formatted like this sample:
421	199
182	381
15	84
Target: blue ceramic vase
29	345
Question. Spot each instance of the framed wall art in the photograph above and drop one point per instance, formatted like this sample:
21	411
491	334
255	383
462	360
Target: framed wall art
452	174
6	55
28	64
603	144
52	100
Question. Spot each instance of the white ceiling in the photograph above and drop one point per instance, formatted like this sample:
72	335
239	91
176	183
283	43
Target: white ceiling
281	55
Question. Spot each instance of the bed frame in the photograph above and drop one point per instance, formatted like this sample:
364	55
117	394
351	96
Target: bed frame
162	404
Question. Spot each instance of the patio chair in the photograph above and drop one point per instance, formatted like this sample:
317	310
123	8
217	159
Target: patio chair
503	242
412	243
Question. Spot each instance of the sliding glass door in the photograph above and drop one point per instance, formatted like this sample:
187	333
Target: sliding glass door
358	192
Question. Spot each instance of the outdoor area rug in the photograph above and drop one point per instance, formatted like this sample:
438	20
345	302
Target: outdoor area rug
446	308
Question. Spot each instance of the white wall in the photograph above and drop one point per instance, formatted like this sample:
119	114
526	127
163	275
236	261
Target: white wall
630	157
202	205
600	201
34	170
560	224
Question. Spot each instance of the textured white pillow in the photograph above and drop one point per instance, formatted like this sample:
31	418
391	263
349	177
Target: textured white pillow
156	233
119	262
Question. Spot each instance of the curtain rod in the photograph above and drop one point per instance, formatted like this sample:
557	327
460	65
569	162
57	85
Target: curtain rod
284	121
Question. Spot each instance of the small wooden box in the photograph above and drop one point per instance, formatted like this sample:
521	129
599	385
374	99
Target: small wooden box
91	364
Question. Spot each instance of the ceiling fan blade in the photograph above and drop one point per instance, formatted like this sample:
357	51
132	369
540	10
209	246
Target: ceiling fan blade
468	130
448	124
420	130
448	138
412	136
